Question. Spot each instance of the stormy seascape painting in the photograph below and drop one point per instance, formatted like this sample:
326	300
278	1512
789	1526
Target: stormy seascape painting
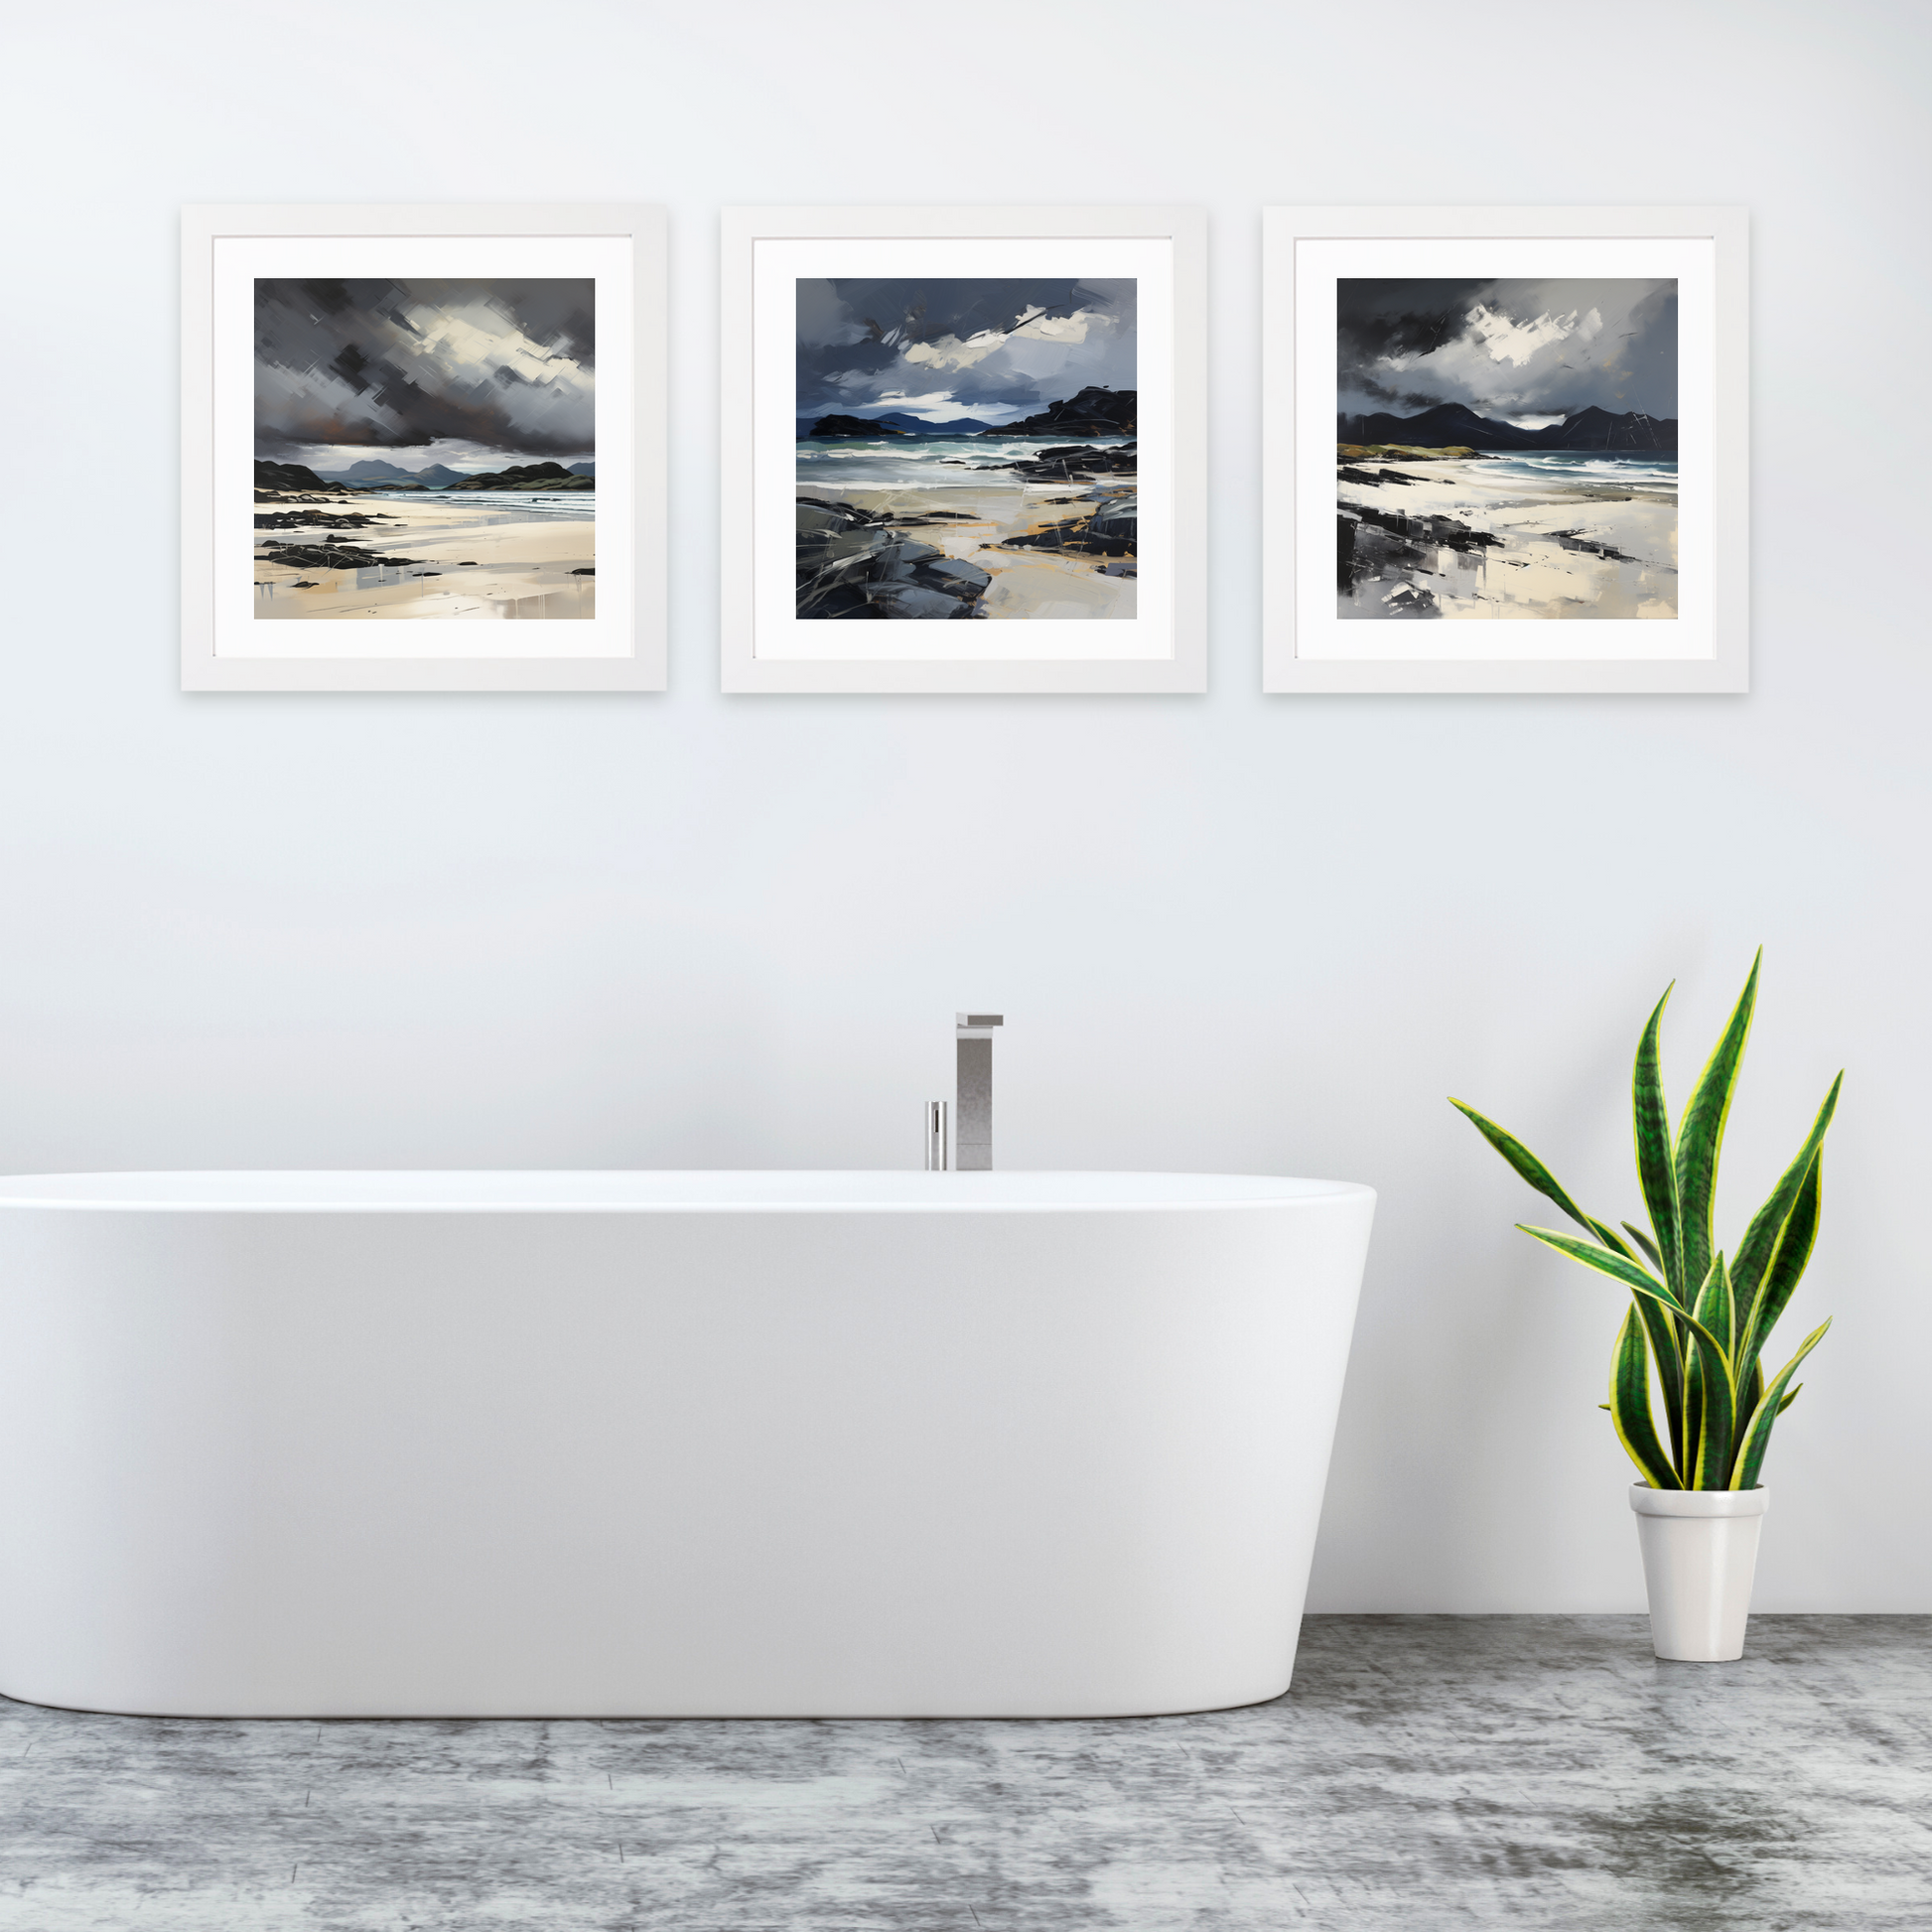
425	448
966	448
1506	449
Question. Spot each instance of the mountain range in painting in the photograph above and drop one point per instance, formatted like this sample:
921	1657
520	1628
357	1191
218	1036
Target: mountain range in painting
372	474
1454	423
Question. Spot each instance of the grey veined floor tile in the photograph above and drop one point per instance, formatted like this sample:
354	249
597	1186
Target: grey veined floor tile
1423	1774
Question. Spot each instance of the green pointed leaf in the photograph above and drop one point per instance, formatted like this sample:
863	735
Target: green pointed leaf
1669	1327
1790	1395
1710	1387
1619	1268
1700	1136
1656	1166
1612	1240
1526	1163
1779	1240
1706	1376
1644	1242
1786	1267
1717	1414
1717	1306
1667	1349
1630	1404
1761	1237
1694	1381
1717	1393
1756	1437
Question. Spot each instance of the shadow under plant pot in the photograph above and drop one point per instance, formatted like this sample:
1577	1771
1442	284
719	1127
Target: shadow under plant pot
1699	1554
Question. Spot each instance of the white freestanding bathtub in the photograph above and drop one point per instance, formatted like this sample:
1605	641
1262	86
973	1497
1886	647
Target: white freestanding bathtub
665	1445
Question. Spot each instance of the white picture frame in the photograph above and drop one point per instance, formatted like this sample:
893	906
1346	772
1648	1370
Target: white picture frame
618	640
1310	647
1162	648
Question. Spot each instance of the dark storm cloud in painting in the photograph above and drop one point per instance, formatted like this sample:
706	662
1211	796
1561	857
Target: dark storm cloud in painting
501	365
944	348
1510	350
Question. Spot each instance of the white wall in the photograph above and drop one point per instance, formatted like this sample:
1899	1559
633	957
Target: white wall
1228	932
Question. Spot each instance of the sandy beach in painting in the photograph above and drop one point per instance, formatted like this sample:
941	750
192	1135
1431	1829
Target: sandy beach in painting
1022	550
1556	535
361	555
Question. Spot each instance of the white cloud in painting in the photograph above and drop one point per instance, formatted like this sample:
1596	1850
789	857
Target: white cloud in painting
1497	358
391	365
1517	342
1531	352
949	353
1039	345
988	348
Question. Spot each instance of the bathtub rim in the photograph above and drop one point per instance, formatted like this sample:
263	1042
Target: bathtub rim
732	1190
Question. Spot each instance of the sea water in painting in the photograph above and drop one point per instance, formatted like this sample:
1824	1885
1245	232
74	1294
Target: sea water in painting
1507	448
424	449
966	448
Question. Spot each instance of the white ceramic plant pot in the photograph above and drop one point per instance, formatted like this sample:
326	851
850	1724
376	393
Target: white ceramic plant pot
1699	1552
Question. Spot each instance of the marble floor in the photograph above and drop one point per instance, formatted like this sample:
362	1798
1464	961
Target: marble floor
1423	1774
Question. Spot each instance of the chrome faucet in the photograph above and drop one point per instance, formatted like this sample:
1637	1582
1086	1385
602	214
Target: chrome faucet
973	1102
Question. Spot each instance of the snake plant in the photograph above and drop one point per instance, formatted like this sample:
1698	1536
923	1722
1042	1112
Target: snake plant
1700	1321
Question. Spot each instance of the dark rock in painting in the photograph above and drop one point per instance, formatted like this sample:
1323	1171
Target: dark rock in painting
1076	463
847	426
1093	412
318	521
1373	543
1412	600
1116	521
1455	423
1437	532
1349	474
852	563
286	476
1587	546
526	475
1108	531
331	556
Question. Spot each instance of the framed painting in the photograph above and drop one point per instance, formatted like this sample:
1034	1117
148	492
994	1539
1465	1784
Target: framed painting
423	448
963	449
1505	450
